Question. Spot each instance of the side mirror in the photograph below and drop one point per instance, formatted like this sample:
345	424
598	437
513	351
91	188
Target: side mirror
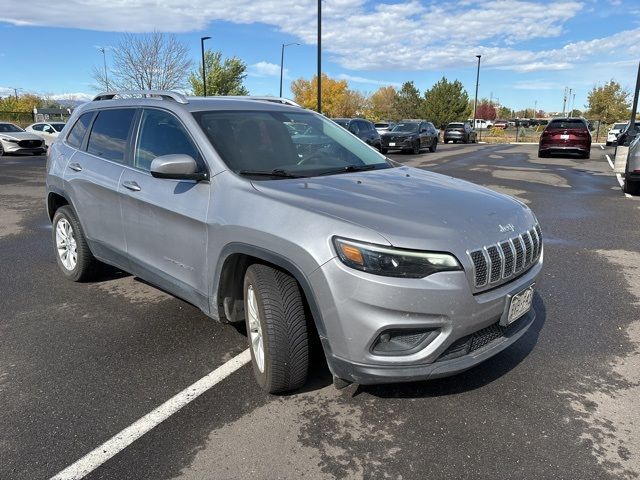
177	167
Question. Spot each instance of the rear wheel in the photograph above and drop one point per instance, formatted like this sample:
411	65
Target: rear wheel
384	150
276	328
542	154
73	256
1	150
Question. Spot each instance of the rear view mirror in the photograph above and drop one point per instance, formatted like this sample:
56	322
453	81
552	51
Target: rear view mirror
177	167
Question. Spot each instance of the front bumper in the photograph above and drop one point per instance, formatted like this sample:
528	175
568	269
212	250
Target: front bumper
14	148
358	307
398	144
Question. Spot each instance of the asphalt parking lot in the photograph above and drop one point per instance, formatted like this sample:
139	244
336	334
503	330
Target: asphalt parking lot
81	362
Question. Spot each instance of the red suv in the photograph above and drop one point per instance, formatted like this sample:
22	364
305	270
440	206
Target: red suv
565	135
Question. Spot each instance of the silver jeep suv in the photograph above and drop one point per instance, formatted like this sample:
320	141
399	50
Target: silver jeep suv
264	212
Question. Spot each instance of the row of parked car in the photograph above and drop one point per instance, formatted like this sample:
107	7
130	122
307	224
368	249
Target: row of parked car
412	135
34	140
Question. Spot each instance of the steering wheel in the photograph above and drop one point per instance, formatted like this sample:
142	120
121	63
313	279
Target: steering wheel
319	156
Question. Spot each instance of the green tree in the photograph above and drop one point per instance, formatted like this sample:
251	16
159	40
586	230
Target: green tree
223	77
504	113
408	103
445	102
609	102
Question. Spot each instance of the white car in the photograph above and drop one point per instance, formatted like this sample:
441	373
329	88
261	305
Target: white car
47	130
612	135
13	139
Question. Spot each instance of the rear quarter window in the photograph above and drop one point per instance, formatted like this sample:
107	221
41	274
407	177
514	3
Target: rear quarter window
77	132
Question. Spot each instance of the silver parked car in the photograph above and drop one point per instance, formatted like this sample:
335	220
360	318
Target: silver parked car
47	130
14	139
404	274
631	175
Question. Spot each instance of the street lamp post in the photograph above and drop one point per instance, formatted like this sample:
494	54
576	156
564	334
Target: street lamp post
475	101
284	45
319	56
104	60
204	73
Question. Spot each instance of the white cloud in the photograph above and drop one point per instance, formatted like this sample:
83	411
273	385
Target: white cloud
368	81
264	69
360	34
537	85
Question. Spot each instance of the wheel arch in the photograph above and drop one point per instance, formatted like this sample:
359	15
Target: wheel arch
55	200
228	278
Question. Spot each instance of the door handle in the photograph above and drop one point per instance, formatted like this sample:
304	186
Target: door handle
76	167
133	186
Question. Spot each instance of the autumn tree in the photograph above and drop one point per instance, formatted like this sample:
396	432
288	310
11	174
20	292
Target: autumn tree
22	103
408	102
609	102
446	102
337	99
224	77
381	105
153	61
486	111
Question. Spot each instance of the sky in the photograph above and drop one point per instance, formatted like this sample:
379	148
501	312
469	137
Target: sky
531	50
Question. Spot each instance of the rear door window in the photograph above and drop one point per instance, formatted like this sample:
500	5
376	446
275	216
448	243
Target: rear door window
109	134
76	135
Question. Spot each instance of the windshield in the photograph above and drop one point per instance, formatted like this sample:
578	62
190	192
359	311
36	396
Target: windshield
455	125
9	127
618	126
342	123
263	141
57	126
406	127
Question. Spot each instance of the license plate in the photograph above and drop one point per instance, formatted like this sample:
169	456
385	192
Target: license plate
519	304
392	144
564	137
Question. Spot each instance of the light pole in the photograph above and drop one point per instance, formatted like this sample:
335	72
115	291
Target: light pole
104	60
282	62
475	101
204	73
319	56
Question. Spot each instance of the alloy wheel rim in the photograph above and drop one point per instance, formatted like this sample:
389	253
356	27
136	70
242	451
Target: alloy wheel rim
255	328
66	244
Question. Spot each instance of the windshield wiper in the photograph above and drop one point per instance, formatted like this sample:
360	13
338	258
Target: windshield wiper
277	172
349	168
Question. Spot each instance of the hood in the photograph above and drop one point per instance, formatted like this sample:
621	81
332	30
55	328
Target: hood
20	136
410	208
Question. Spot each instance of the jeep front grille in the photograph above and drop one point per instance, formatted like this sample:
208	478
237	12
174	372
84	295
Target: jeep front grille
495	263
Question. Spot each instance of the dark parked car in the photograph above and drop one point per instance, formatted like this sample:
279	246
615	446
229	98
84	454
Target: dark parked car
565	135
410	136
460	132
363	129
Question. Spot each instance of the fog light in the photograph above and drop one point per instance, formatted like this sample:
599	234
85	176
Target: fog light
403	341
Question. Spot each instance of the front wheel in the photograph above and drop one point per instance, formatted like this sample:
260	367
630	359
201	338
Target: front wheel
416	148
384	150
73	256
434	145
277	329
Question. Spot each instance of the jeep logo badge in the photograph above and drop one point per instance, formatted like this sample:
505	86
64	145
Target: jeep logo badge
506	228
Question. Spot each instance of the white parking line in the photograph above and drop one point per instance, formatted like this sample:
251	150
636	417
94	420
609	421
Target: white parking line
126	437
601	147
610	162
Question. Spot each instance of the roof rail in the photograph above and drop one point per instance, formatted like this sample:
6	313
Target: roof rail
281	100
162	94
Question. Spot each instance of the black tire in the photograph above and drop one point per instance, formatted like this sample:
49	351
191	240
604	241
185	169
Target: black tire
86	266
416	148
630	187
384	150
542	154
284	329
1	150
434	145
587	155
608	144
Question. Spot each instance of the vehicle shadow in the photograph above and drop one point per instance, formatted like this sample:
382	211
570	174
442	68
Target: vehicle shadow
477	377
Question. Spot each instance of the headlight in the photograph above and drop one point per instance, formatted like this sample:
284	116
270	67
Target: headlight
393	262
10	140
